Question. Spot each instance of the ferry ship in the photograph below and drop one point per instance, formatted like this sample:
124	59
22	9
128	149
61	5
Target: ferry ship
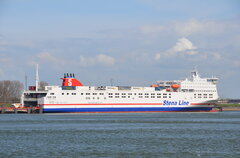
193	94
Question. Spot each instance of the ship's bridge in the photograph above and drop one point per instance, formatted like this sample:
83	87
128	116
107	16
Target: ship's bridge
192	84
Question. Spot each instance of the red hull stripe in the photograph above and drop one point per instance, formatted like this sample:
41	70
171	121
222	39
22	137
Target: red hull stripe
111	104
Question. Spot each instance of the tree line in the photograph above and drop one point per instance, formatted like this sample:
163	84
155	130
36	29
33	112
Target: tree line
11	91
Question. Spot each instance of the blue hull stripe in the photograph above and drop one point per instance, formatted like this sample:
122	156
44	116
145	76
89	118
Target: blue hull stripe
149	109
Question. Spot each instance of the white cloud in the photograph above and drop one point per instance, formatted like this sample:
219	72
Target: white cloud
183	46
100	59
158	56
236	63
3	43
193	26
190	27
5	59
217	56
46	56
191	52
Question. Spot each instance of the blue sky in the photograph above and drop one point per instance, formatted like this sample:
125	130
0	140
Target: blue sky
135	42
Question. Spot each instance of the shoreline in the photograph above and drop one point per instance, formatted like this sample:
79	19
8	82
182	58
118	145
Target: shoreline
230	108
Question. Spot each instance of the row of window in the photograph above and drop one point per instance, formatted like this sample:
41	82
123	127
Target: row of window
129	97
192	90
140	95
205	91
123	94
203	96
117	96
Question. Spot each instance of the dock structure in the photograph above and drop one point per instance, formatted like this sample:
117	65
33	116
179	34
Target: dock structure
26	110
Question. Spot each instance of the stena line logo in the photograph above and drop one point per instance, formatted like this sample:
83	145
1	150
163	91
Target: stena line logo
180	102
69	82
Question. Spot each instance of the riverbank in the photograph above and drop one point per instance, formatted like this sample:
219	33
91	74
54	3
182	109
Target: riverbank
229	107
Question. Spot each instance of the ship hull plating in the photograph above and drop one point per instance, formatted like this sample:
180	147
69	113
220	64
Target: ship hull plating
126	109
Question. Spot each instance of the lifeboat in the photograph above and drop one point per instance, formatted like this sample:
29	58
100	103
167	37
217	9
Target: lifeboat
175	86
154	85
168	89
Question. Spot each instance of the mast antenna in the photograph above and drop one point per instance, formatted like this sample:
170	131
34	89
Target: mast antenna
26	80
111	81
37	78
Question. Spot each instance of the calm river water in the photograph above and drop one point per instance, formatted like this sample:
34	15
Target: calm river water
137	135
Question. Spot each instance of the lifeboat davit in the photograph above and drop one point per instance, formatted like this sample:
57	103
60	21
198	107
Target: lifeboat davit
175	86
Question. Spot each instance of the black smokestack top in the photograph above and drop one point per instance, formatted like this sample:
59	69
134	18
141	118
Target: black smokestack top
64	75
73	75
70	75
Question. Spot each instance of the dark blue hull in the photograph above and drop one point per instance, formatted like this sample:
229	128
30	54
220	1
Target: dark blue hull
127	109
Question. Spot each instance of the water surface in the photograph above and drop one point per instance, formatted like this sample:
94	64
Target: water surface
170	135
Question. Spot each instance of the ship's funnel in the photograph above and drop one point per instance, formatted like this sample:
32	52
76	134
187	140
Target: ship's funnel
70	80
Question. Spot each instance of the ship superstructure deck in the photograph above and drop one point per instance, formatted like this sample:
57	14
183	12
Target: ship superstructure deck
192	94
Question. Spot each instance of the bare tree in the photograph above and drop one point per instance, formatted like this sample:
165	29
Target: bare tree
42	85
10	91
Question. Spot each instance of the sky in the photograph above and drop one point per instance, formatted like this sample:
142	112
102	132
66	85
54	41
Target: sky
131	42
